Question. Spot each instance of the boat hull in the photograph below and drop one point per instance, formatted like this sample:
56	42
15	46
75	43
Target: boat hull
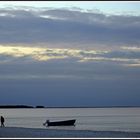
62	123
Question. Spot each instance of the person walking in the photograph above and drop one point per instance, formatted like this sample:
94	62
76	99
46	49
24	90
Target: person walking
2	121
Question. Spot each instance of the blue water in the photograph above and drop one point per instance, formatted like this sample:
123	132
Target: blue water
98	119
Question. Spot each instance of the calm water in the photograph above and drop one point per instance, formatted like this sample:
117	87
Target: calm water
112	119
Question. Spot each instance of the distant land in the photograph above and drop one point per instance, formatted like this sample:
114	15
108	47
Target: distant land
19	106
39	106
15	106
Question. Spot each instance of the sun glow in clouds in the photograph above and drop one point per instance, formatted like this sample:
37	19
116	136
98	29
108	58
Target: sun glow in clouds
131	48
79	55
44	54
39	54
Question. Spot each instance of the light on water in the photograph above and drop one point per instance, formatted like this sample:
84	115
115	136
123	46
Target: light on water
97	119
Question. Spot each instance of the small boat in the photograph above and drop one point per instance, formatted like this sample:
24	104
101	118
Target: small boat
60	123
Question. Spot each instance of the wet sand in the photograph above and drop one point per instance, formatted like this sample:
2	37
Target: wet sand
16	132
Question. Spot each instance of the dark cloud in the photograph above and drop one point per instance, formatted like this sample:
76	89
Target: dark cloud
68	26
70	92
68	83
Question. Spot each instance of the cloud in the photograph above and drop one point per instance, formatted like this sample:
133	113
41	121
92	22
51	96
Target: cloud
135	49
44	54
57	54
28	62
58	26
124	56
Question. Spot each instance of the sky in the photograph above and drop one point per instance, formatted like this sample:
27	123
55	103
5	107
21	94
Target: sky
70	53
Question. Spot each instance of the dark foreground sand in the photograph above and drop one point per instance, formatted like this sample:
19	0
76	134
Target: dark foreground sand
15	132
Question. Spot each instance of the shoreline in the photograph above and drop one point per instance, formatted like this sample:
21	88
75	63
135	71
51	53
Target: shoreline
55	107
20	132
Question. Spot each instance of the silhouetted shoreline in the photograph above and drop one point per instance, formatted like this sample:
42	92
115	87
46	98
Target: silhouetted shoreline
27	106
15	106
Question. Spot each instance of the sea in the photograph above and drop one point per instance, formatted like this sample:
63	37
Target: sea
96	119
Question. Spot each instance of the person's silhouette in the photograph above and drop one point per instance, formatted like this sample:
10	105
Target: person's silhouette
2	121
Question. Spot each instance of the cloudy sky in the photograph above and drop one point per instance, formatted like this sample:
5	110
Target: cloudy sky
70	53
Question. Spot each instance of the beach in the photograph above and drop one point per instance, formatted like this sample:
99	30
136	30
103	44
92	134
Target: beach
90	123
19	132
